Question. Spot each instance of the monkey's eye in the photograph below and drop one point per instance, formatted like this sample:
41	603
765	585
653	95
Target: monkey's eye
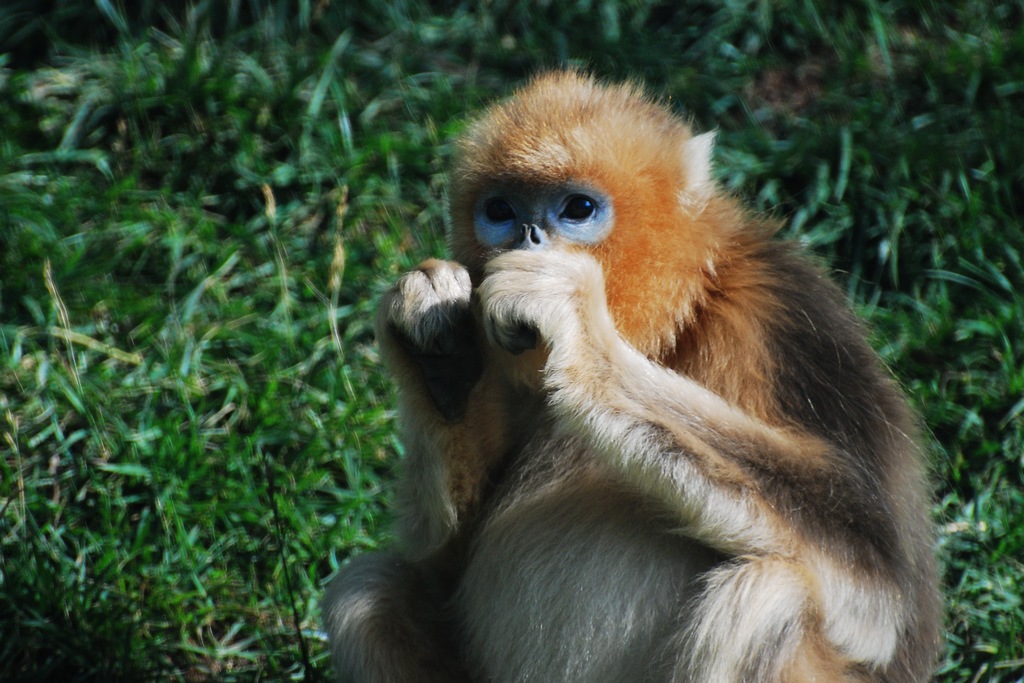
499	211
579	208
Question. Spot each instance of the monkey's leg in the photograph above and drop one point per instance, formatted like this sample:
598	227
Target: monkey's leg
386	626
758	620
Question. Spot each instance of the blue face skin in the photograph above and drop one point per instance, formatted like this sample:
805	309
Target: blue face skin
517	217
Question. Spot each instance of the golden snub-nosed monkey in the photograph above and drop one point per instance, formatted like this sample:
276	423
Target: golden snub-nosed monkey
645	441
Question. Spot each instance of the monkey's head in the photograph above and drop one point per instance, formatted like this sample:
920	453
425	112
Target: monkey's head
568	163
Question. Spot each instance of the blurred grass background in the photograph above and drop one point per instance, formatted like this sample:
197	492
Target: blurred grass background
199	203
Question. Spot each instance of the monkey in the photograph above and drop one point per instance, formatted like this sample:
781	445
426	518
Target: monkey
646	439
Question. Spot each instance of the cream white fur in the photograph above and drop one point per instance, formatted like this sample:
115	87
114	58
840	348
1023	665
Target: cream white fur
863	621
529	619
697	153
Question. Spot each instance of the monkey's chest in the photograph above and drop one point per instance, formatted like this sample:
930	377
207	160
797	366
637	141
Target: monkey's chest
576	581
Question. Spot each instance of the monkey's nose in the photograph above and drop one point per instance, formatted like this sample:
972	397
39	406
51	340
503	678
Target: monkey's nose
532	236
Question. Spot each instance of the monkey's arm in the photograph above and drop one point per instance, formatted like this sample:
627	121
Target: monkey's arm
450	411
738	484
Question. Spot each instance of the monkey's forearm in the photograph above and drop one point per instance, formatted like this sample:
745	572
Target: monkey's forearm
739	484
447	465
452	418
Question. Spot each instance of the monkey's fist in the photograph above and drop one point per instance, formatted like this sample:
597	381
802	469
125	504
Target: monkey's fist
427	314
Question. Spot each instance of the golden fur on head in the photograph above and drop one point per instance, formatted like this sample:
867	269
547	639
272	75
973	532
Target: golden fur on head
674	233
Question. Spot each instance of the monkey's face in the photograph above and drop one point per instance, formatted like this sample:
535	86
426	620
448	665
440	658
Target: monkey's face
567	164
521	216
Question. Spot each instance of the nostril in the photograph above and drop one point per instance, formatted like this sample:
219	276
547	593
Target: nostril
536	235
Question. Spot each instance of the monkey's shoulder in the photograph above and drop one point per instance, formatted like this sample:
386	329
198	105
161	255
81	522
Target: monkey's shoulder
826	374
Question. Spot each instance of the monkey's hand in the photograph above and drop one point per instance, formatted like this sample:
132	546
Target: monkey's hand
555	298
426	319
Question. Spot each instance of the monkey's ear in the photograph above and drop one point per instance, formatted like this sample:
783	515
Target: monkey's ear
697	161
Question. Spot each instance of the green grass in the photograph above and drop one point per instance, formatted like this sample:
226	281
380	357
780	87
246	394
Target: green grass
198	207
